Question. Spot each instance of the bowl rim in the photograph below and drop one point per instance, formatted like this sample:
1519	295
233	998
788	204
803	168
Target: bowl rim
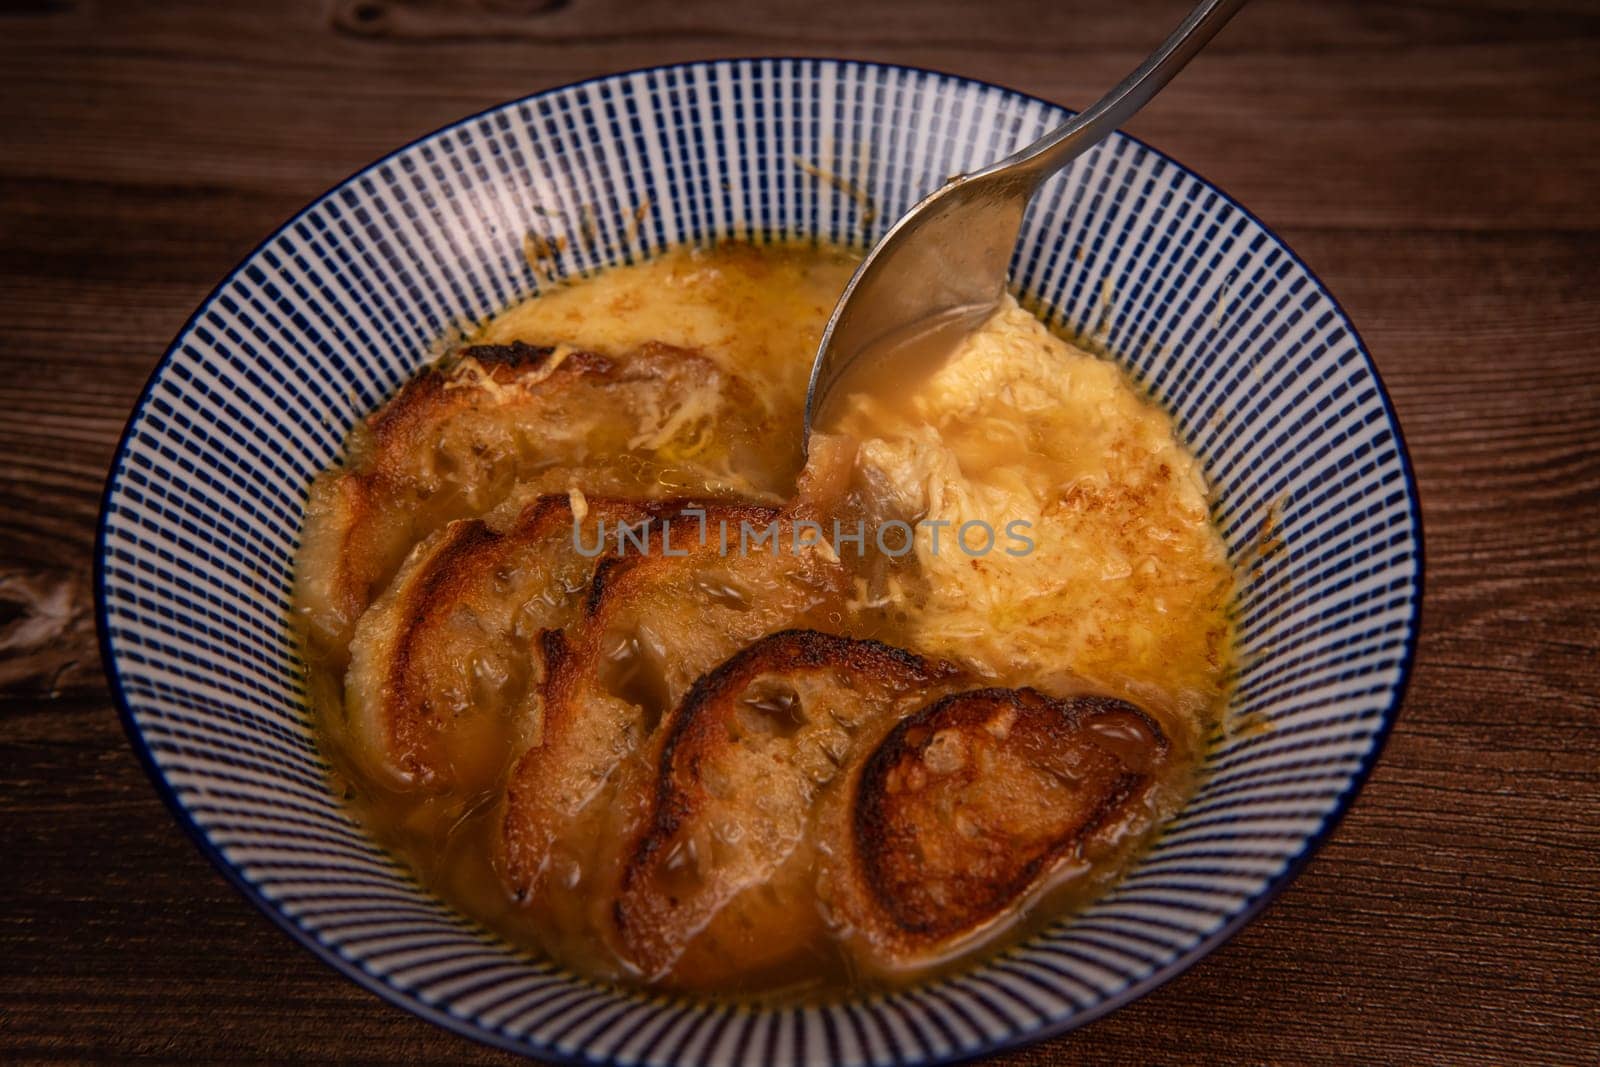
407	1001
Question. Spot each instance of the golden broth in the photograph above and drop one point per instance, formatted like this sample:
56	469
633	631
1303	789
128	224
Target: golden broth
1124	592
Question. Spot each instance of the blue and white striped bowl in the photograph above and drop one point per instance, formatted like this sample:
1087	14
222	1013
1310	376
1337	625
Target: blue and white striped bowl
1215	315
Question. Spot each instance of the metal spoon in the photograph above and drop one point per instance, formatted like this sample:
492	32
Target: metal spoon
941	269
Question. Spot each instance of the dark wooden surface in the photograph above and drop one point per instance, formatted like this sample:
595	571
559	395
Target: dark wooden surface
1437	163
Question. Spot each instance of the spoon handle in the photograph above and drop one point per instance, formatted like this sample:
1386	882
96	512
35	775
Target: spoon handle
1055	150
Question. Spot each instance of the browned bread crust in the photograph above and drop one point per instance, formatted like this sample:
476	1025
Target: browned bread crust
718	882
652	624
365	516
439	393
972	805
444	679
461	436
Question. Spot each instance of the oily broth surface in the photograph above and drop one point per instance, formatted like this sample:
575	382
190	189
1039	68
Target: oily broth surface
1142	616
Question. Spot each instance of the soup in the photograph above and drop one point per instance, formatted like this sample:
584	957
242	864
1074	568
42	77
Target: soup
619	672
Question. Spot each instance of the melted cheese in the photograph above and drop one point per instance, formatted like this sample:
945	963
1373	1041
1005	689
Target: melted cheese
1126	585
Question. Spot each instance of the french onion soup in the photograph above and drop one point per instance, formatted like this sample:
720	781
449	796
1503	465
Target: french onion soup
620	673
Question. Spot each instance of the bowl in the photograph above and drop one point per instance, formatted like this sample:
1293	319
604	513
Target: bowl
1202	304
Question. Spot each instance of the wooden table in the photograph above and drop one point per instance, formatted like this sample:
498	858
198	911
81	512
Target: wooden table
1437	164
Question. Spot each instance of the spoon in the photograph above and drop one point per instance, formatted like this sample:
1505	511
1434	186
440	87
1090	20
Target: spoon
941	269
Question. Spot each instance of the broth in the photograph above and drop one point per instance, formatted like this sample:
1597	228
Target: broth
1124	594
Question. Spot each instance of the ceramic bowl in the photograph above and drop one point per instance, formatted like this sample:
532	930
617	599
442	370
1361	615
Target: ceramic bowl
1204	306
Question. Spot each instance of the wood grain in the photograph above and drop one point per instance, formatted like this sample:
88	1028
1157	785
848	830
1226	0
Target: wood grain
1437	164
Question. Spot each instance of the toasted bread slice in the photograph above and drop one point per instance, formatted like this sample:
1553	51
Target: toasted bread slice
459	437
662	620
718	884
653	622
971	807
445	672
